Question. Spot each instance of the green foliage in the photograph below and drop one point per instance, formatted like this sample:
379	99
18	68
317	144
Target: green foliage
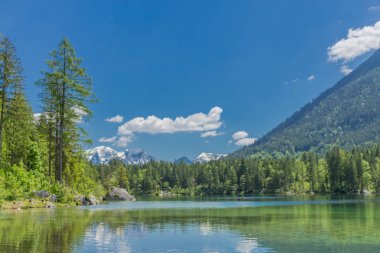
66	91
345	115
19	183
339	171
34	154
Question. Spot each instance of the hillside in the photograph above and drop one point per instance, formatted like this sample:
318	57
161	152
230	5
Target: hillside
347	114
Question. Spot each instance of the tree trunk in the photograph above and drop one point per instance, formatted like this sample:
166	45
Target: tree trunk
50	146
62	119
3	98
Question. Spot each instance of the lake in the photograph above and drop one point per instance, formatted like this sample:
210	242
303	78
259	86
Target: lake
218	224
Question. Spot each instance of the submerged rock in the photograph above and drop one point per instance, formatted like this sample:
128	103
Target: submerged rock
116	193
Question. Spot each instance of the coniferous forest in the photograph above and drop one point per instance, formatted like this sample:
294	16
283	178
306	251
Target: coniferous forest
338	171
44	151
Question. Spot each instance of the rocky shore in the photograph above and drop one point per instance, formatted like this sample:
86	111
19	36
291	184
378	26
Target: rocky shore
45	199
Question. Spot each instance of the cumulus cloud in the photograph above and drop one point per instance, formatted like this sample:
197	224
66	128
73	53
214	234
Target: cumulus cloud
210	134
199	122
357	42
80	114
108	140
123	141
117	119
311	78
239	135
241	139
245	141
345	70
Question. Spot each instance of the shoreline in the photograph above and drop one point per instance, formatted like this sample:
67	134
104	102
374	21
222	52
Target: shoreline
41	203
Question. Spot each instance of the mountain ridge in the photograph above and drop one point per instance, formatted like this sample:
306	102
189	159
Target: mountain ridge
346	114
103	155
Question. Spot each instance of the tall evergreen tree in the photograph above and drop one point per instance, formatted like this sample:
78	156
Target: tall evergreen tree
67	89
10	76
20	127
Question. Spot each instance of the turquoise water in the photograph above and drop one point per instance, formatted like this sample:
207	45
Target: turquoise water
250	224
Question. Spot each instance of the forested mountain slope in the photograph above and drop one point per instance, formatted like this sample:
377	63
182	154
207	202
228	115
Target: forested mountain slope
347	114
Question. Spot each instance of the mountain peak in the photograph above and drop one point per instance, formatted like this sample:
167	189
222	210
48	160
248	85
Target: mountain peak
183	160
206	157
103	155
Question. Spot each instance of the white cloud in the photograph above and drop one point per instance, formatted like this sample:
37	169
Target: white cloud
241	139
210	134
311	78
291	81
37	116
374	8
116	119
198	122
357	42
239	135
108	140
123	141
245	141
345	70
80	114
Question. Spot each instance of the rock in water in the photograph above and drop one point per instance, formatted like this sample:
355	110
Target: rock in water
120	194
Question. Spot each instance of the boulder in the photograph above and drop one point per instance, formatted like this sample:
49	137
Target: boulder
53	198
92	200
366	192
42	194
116	193
80	200
86	201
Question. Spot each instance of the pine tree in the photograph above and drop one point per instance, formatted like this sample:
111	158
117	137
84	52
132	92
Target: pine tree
20	128
66	91
10	76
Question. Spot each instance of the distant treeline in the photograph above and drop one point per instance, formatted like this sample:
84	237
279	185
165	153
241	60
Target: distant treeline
339	171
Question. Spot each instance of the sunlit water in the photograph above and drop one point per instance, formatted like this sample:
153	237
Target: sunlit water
251	224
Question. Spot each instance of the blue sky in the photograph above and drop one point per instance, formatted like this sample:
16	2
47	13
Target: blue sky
230	65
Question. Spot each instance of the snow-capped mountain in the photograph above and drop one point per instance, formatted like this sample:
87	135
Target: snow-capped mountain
206	157
137	156
103	154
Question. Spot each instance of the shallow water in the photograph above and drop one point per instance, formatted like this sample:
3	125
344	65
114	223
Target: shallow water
224	224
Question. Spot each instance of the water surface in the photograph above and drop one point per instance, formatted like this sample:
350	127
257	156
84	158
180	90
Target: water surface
224	224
